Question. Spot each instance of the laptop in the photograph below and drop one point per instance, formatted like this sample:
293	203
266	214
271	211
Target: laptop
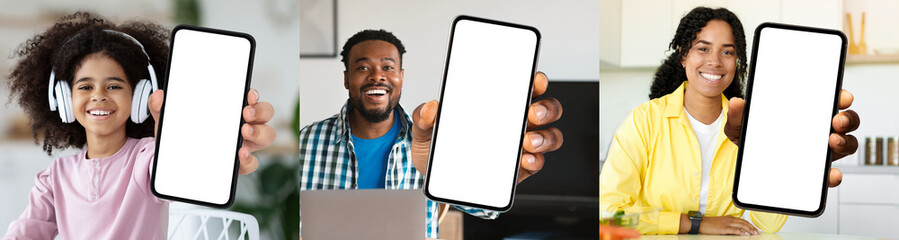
363	214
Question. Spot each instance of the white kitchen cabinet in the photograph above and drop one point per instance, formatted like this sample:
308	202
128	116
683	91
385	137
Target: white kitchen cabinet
869	188
869	220
823	14
869	201
865	204
826	223
636	34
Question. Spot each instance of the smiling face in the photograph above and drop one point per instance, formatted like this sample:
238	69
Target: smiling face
374	79
101	96
711	61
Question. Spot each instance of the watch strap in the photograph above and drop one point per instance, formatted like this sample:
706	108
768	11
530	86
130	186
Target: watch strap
695	220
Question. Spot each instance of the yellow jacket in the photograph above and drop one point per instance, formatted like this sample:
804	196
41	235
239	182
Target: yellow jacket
654	162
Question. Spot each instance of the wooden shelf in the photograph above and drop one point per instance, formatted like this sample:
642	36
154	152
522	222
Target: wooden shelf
872	59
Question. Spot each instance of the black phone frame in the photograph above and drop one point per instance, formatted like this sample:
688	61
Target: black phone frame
242	121
440	107
744	205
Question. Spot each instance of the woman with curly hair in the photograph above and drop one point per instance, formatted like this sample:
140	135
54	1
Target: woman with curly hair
88	69
673	153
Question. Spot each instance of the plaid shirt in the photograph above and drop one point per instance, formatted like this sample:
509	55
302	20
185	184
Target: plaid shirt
328	161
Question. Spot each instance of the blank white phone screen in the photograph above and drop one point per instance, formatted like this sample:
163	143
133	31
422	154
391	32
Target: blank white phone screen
201	119
792	99
484	101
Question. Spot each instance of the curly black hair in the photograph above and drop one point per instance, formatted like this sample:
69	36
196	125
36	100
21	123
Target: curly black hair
369	34
671	73
63	47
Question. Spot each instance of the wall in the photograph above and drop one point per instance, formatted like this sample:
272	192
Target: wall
569	50
276	27
620	91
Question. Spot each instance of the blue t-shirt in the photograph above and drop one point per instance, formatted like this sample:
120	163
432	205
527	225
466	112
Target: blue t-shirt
371	155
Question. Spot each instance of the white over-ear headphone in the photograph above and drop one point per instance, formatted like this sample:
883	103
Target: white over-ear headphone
60	94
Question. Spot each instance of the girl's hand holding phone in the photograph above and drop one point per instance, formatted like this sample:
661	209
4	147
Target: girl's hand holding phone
256	134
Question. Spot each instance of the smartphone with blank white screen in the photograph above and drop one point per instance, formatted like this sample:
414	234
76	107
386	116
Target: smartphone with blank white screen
208	78
481	118
795	79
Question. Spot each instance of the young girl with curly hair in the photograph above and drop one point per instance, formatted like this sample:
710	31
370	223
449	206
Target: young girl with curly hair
76	82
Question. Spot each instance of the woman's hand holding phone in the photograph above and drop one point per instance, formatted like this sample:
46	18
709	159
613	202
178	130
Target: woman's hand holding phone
841	142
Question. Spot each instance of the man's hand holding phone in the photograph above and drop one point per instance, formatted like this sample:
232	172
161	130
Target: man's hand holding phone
536	142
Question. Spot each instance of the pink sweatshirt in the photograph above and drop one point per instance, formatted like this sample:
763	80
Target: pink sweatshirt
107	198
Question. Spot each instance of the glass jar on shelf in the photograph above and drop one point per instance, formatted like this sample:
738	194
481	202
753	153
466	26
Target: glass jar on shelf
892	152
874	151
869	151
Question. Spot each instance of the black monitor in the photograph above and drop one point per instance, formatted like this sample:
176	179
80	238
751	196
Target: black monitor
562	200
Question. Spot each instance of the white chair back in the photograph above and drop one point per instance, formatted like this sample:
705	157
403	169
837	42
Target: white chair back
208	224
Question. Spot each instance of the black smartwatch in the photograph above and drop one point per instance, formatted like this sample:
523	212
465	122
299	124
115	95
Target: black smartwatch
695	220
